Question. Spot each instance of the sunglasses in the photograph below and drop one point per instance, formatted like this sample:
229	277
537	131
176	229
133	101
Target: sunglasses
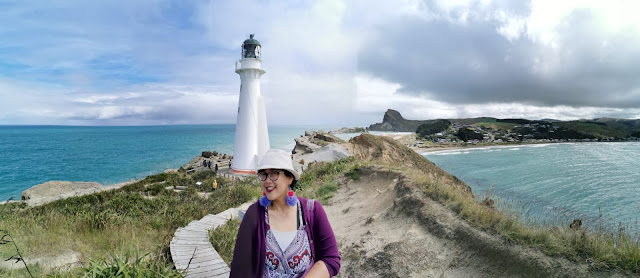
273	175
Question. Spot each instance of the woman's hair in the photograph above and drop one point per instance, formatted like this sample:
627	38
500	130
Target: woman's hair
289	175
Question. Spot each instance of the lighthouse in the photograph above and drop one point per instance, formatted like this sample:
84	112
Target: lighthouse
252	136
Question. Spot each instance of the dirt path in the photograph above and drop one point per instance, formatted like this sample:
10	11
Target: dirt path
386	228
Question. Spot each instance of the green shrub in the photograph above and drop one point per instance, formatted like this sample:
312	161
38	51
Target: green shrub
203	175
158	189
128	266
353	174
326	191
134	187
158	178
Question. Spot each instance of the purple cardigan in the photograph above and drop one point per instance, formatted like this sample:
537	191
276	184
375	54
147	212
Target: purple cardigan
249	253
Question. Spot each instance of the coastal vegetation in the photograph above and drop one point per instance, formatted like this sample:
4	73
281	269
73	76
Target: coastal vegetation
129	230
434	127
599	247
102	228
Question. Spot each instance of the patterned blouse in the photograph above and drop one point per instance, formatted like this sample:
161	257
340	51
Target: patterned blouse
294	260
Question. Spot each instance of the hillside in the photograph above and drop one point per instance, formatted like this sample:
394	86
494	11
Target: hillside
393	121
399	215
602	128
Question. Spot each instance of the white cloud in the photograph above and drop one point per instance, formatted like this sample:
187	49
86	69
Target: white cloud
125	62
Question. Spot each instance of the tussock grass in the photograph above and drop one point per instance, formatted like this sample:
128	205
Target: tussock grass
223	239
318	180
126	265
599	247
113	222
326	191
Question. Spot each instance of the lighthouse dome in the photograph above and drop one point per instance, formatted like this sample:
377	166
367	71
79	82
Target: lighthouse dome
251	48
251	41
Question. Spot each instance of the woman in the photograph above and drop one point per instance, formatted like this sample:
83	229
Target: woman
283	235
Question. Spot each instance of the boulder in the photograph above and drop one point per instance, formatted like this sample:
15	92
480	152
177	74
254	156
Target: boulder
206	154
326	137
329	152
304	145
215	153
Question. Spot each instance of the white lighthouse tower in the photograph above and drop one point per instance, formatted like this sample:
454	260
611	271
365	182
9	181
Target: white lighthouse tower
252	136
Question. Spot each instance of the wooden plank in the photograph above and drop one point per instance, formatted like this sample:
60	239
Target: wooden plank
216	271
205	261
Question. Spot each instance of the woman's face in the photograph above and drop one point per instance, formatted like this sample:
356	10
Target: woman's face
275	189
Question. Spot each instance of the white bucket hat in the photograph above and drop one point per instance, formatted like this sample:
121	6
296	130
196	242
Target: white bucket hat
278	159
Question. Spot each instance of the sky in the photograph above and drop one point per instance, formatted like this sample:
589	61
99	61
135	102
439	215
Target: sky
330	62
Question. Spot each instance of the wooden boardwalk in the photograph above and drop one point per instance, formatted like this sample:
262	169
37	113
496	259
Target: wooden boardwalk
191	249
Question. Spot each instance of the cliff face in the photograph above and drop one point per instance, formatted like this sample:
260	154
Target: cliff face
393	121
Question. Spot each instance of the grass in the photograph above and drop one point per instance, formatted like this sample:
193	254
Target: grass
326	191
601	248
496	125
597	130
126	265
223	239
113	222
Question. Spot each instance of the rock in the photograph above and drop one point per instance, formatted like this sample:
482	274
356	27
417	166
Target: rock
393	121
329	152
304	145
326	137
206	154
64	261
54	188
215	153
576	224
348	130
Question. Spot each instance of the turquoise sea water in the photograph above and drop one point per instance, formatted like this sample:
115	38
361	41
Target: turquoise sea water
31	155
555	183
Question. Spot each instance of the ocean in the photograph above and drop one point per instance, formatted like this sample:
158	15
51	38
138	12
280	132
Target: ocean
30	155
550	183
555	183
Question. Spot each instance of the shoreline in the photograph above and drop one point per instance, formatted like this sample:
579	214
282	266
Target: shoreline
404	138
410	139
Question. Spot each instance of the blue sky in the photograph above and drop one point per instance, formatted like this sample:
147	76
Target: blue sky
328	62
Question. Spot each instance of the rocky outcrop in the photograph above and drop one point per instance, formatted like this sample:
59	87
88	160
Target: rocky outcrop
393	121
304	146
329	152
313	141
349	130
54	190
